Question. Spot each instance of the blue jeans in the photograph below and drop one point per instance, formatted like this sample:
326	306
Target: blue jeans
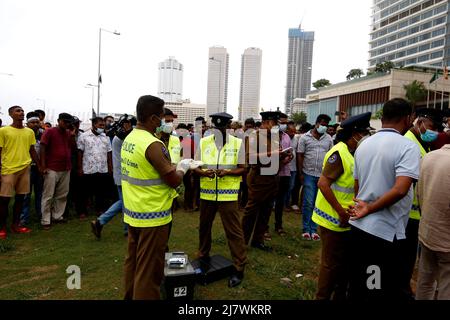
36	184
310	190
115	209
291	188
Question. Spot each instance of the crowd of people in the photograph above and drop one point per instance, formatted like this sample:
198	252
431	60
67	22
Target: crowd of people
375	199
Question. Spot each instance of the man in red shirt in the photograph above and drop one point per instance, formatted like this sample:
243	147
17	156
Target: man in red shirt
56	146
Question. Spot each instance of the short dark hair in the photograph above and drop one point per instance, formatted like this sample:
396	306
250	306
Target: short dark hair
96	120
12	108
249	121
32	114
258	124
396	109
182	126
305	127
108	117
321	117
148	106
40	112
291	123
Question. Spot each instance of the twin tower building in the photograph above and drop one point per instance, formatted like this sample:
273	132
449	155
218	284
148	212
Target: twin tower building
298	77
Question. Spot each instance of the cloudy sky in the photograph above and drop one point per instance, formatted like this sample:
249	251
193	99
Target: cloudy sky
51	47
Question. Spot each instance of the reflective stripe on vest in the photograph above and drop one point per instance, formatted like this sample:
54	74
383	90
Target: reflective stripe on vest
334	186
327	216
414	213
220	188
147	199
220	167
343	189
142	182
222	191
146	215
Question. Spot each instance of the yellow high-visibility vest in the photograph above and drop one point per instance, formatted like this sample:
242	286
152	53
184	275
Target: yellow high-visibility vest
174	149
227	187
343	189
147	199
414	213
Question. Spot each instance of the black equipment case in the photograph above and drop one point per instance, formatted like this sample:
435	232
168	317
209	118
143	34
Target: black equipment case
179	277
212	269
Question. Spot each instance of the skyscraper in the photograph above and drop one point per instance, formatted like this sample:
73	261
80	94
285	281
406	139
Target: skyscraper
216	100
409	32
299	65
250	84
170	85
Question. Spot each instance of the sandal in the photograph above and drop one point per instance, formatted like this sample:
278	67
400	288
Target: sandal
315	237
281	232
306	236
267	236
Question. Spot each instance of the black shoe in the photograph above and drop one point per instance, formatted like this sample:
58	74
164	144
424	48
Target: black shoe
96	228
236	279
60	221
261	246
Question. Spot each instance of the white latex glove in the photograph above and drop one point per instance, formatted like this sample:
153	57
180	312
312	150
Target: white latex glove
195	164
184	165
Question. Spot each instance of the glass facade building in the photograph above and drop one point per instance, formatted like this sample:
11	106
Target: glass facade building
299	66
409	32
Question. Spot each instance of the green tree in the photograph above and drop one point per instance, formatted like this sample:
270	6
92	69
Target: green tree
354	74
378	114
321	83
299	117
384	67
415	92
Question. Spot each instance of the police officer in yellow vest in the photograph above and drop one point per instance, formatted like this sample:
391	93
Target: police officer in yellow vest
148	182
172	142
336	193
422	133
223	158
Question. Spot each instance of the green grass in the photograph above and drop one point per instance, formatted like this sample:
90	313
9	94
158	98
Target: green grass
33	266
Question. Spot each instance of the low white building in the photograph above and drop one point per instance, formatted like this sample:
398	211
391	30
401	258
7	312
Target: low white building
186	111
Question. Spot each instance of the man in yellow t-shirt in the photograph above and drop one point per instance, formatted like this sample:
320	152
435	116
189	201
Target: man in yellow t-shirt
17	151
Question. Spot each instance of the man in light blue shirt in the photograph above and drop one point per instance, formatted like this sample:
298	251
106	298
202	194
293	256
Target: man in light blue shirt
386	166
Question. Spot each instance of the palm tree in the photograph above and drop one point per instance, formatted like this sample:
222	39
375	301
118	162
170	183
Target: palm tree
415	92
355	73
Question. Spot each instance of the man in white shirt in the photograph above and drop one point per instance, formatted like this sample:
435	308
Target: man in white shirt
95	164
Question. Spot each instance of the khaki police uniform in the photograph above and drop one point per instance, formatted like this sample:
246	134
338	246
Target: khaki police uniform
262	189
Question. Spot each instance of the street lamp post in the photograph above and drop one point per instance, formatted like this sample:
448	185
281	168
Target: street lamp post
92	86
220	79
99	80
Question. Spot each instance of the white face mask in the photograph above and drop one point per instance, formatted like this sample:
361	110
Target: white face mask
100	131
322	129
167	127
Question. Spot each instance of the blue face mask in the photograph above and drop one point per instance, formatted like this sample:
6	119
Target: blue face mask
429	135
322	129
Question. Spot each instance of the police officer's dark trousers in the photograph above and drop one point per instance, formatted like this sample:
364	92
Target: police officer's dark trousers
232	225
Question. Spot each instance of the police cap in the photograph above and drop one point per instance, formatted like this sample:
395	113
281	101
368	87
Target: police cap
358	122
221	119
270	115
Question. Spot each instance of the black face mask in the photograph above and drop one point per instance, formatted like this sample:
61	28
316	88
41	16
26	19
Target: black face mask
122	134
